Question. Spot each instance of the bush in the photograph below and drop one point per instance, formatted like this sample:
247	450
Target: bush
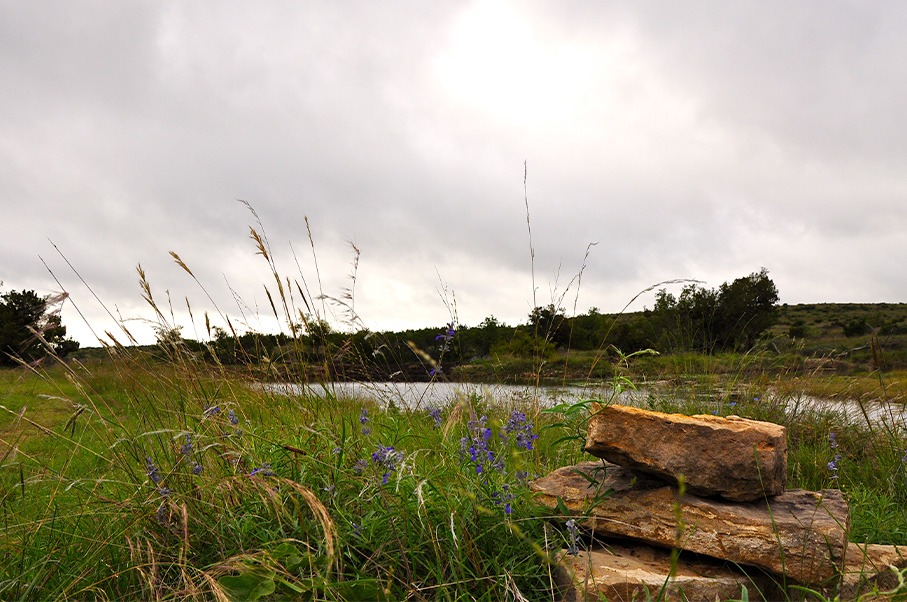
797	329
857	327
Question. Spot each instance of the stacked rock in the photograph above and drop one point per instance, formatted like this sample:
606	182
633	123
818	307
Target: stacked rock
707	485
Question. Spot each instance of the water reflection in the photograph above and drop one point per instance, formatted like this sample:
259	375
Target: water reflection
440	394
423	395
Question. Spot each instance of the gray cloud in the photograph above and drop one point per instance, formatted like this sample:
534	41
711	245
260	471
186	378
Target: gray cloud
696	140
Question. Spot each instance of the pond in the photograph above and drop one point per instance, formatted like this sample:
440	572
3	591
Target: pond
442	394
439	394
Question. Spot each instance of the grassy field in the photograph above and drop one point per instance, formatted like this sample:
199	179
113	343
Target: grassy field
133	480
129	474
141	479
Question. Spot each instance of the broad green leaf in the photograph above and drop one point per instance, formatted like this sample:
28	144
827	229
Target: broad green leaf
247	587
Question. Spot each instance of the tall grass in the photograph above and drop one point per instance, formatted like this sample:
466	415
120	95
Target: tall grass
168	477
162	476
185	485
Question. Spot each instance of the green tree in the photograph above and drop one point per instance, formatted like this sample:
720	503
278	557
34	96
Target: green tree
747	307
488	333
318	330
685	322
732	316
550	323
26	319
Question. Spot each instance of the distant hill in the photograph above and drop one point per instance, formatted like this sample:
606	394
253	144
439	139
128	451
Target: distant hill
835	320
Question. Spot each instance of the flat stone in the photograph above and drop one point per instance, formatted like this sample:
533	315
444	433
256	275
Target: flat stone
867	567
736	458
621	573
800	534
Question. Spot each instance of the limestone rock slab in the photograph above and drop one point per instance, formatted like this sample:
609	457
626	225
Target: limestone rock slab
801	534
621	573
736	458
867	566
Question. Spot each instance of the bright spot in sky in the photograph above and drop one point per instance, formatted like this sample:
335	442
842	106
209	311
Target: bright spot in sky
502	66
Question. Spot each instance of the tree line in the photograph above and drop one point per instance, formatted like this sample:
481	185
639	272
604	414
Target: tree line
730	317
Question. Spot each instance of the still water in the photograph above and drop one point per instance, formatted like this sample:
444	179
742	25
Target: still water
440	394
443	394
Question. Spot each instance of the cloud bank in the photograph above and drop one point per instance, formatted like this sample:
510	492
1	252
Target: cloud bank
697	141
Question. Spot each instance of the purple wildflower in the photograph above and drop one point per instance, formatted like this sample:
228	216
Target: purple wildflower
447	336
210	411
364	420
152	471
186	451
504	497
155	475
573	538
497	463
388	459
833	466
264	470
476	447
435	414
232	416
522	428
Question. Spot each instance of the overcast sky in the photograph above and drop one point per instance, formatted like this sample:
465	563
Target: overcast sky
700	140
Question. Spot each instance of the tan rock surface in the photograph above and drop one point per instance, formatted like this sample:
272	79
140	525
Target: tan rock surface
736	458
867	566
799	533
620	573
